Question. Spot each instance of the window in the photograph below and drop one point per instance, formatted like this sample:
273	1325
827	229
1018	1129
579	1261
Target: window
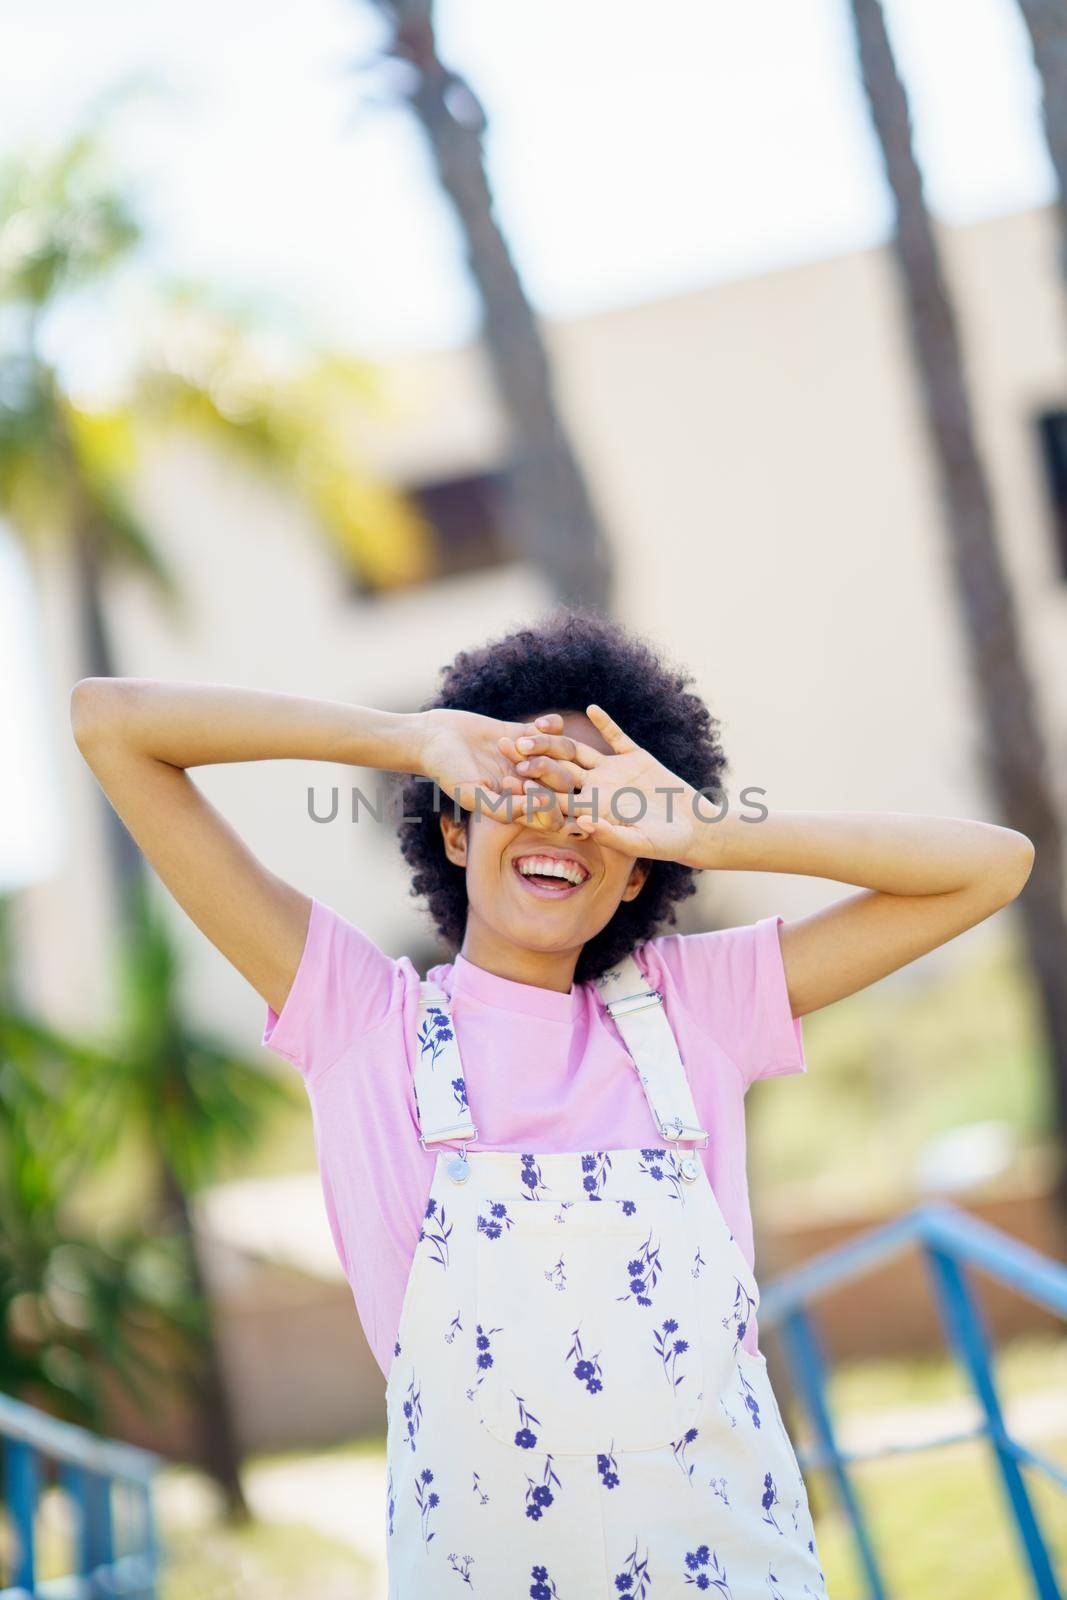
466	521
1052	434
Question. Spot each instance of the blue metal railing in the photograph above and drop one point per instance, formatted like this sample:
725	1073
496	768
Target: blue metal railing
109	1489
952	1243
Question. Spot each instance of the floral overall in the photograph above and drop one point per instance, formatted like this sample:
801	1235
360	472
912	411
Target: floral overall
571	1412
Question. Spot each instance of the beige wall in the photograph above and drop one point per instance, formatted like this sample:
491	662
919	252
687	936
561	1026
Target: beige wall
757	452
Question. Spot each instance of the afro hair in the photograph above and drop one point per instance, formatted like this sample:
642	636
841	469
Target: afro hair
570	660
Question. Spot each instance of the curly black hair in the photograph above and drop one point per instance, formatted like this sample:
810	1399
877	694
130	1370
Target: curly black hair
568	661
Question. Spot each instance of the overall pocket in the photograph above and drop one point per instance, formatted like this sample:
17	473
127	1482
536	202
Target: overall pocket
589	1318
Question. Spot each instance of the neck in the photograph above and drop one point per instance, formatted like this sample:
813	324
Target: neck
544	969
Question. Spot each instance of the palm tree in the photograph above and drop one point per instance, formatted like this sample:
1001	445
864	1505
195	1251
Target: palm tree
1014	748
191	1102
76	1303
548	509
66	226
1046	23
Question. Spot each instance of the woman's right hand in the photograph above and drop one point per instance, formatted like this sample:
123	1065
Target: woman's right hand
460	751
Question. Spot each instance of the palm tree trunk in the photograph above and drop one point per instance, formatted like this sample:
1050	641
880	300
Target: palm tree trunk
219	1446
1046	23
220	1452
548	512
1013	746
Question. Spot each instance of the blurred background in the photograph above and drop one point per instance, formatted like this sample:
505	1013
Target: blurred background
334	339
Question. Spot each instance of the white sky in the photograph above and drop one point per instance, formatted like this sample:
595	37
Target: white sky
634	151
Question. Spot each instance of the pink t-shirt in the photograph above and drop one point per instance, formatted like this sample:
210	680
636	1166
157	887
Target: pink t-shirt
544	1072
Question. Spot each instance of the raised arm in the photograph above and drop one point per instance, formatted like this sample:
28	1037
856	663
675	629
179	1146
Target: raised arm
140	736
922	881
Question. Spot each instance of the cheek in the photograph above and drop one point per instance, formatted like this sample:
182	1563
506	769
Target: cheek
485	851
618	871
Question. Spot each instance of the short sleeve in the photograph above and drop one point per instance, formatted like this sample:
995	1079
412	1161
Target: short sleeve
344	986
732	981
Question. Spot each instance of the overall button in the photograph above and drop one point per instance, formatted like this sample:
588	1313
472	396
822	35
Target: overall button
689	1168
459	1169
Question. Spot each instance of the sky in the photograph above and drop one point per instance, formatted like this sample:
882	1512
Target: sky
634	152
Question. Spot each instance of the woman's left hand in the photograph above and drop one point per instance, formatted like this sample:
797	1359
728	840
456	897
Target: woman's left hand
623	798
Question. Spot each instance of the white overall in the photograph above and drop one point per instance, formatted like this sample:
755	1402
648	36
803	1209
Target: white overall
571	1412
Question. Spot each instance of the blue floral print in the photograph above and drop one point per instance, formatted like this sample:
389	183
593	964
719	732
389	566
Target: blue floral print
595	1168
483	1355
427	1500
698	1262
586	1369
542	1587
705	1571
539	1496
478	1491
436	1231
531	1178
608	1469
390	1501
654	1169
769	1501
459	1093
454	1327
664	1165
497	1220
643	1274
629	1208
525	1438
557	1275
748	1395
741	1312
718	1489
413	1411
434	1034
634	1580
670	1350
462	1566
679	1448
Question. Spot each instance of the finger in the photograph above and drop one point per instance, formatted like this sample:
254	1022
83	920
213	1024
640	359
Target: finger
542	807
620	742
544	738
559	746
563	776
551	722
509	783
485	799
617	835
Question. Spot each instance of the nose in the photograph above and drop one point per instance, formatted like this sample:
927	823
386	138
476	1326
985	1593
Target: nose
568	829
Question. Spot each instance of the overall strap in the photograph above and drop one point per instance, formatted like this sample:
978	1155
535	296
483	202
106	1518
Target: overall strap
637	1011
440	1088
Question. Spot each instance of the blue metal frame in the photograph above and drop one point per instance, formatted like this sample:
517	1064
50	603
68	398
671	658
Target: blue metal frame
112	1555
952	1243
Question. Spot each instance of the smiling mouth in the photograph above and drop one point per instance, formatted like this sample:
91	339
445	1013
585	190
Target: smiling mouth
550	877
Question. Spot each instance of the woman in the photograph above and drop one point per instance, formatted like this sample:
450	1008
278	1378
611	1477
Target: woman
534	1163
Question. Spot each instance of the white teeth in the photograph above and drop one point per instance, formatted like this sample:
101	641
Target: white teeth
549	867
